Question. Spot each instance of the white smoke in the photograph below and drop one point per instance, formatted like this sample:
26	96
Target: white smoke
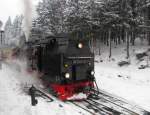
28	14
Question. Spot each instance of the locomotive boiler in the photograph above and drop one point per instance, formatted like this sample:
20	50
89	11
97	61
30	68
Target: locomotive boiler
67	65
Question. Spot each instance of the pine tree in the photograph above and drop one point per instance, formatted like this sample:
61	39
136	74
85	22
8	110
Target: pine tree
8	30
79	17
17	26
51	15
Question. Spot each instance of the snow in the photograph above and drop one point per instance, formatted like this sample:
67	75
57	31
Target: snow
127	82
78	96
132	86
14	101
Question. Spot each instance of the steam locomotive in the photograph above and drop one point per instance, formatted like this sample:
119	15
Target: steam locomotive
67	65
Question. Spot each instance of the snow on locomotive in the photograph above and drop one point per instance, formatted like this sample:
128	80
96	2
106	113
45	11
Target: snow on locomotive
67	65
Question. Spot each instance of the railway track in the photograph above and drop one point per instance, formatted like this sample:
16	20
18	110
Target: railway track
103	103
119	103
97	108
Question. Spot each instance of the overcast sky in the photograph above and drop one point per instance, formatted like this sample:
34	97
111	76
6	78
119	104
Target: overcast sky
11	8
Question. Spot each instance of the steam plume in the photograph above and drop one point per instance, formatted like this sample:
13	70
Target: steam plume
28	8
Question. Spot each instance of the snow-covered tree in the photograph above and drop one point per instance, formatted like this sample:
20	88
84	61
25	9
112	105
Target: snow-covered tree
8	30
17	26
110	21
14	30
51	15
80	16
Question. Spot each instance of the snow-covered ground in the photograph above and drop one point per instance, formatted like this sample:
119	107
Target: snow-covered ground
14	101
128	82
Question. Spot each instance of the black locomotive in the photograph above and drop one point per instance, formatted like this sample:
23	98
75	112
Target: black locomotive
67	64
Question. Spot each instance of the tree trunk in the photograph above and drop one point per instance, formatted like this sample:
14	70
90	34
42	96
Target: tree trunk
92	44
148	38
133	37
109	37
99	51
127	39
119	36
122	35
105	38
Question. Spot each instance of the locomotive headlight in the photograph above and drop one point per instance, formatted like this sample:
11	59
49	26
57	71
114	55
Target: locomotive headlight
67	75
80	45
92	72
66	65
